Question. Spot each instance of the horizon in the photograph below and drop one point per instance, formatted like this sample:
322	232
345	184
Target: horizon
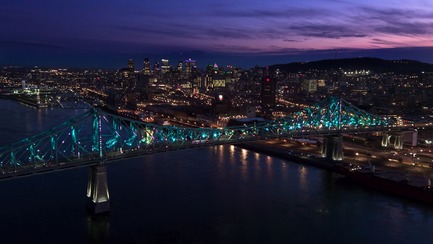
98	34
201	65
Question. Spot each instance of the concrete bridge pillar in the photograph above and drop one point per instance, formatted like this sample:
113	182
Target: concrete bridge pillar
395	140
325	146
332	148
98	198
398	142
385	140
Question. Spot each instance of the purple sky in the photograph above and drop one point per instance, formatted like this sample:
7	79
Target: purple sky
104	33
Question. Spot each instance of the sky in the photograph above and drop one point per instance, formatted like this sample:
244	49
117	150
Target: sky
106	33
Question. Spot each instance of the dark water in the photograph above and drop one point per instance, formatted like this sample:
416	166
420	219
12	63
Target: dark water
219	194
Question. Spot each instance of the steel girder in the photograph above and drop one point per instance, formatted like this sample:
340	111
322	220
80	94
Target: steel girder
98	136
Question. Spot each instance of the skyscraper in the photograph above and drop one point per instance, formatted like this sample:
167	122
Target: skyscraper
146	67
191	65
180	67
268	88
131	65
156	70
165	67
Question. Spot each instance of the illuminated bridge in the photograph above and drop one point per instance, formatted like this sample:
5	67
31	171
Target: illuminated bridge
96	138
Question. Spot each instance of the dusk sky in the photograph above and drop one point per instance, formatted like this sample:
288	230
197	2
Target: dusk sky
105	33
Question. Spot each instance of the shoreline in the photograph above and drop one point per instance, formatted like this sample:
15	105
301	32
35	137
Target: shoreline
292	156
25	100
383	179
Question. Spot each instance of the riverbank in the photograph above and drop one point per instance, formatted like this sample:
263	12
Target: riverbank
293	156
405	181
25	99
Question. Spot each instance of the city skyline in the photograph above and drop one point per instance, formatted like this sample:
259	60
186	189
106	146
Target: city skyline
245	33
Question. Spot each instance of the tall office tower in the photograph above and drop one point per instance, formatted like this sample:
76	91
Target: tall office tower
207	80
209	69
180	67
165	67
131	65
146	67
191	65
267	94
156	69
143	84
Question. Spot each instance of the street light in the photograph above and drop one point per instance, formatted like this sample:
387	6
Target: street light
413	158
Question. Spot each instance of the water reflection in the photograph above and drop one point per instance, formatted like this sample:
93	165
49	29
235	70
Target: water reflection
231	149
284	172
223	161
244	164
303	178
98	227
256	156
39	119
269	169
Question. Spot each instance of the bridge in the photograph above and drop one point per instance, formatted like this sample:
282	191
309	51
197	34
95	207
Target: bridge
97	138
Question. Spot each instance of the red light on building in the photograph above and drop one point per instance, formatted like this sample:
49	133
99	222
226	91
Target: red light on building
267	79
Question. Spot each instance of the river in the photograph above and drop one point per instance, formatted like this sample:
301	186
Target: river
219	194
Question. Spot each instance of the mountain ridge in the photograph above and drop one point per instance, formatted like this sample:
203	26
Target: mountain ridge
377	65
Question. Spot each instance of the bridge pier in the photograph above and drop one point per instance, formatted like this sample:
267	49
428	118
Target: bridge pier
98	198
332	147
398	141
385	140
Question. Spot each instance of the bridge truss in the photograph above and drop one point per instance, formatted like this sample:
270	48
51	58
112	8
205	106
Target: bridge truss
97	136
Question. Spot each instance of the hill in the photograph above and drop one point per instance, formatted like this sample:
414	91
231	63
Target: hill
376	65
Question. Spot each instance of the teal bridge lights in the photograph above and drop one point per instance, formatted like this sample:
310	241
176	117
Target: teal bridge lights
97	137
